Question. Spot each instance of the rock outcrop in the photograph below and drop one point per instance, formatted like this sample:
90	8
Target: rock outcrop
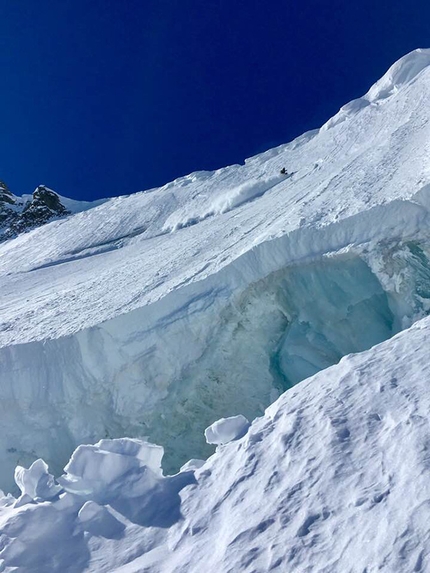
18	215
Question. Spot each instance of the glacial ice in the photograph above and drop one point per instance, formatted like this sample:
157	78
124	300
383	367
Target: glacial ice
217	356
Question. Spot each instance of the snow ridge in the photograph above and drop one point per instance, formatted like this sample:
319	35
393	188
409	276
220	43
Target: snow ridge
403	72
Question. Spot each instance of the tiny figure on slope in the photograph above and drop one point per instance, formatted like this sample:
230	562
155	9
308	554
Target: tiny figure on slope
285	172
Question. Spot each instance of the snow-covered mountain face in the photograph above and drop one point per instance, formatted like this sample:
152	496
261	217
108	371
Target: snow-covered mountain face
153	315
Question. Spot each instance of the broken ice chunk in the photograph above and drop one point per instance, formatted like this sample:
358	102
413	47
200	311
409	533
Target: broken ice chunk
193	464
226	430
36	482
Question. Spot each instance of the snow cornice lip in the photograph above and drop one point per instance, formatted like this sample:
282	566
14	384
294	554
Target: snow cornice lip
400	74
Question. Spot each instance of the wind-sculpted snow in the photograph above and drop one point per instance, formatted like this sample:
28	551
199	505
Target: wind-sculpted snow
155	315
400	74
106	488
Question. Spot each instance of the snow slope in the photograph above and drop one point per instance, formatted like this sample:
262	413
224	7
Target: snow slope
154	315
340	173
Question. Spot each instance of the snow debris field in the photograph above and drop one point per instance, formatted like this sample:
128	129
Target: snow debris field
293	290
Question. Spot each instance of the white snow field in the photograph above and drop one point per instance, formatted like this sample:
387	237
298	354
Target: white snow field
153	316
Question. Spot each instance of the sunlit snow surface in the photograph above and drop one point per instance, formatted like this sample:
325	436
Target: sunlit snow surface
154	315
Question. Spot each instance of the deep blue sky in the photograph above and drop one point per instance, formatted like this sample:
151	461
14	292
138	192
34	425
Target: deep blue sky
107	97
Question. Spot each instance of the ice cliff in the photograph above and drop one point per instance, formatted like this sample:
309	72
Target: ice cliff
154	315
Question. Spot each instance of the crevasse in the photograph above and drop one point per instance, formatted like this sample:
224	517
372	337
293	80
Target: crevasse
214	357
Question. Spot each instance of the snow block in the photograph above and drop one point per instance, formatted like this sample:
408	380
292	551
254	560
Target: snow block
36	483
226	430
192	464
97	469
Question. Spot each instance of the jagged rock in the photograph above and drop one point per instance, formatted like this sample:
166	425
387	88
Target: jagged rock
17	216
44	197
8	211
44	206
5	195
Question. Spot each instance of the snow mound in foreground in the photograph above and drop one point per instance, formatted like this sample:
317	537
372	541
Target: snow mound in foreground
336	473
106	488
